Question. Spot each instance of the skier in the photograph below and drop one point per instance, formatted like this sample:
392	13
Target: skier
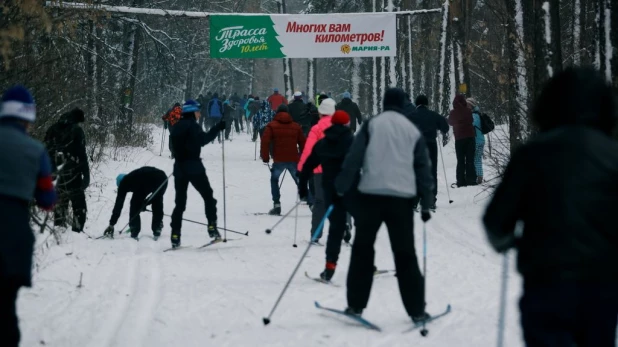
285	139
215	113
248	113
169	120
429	122
479	139
188	140
561	185
204	109
254	108
386	148
67	149
228	116
460	119
25	175
142	182
351	108
300	113
326	111
276	99
262	118
330	152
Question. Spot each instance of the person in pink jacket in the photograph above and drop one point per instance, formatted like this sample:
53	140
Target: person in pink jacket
326	110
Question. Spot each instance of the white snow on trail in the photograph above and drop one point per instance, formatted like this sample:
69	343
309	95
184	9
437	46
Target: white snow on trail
135	295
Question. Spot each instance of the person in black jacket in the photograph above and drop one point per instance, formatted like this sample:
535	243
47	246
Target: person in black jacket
188	140
300	113
351	108
330	153
142	182
562	186
429	122
66	143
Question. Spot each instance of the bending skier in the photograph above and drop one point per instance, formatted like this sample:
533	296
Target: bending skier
188	139
330	153
142	183
386	148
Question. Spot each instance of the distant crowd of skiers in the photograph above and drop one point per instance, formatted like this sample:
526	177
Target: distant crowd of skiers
560	186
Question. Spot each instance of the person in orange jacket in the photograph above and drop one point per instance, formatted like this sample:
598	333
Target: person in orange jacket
276	100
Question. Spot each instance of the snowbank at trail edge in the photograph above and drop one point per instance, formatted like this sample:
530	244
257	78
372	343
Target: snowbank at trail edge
133	294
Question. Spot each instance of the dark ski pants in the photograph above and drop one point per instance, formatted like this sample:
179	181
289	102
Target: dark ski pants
337	224
137	202
466	172
433	156
9	329
70	191
275	173
398	215
202	185
319	206
569	314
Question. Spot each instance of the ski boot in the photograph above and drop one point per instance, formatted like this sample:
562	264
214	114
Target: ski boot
276	210
357	312
329	271
109	232
347	234
156	234
421	318
133	232
213	232
175	239
432	208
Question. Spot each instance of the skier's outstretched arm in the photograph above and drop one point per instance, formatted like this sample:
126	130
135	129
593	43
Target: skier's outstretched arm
120	197
210	136
505	208
422	171
353	161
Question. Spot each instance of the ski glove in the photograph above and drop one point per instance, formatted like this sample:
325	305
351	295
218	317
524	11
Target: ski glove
109	232
445	139
221	125
303	192
425	216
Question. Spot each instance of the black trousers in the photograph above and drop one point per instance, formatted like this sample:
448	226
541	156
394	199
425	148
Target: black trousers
466	173
319	206
433	156
170	146
137	201
202	185
9	329
337	224
70	191
398	214
570	314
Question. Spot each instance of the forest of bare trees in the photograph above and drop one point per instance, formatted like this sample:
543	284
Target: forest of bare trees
126	69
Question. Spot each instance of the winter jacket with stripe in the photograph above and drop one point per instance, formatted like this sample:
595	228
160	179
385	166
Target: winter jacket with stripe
393	157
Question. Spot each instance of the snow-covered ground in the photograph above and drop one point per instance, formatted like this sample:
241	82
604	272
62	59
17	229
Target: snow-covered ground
133	294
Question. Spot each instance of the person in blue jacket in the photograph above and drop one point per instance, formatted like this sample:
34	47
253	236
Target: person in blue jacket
25	175
479	139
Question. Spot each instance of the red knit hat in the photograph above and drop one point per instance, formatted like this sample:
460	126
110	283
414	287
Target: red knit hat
340	117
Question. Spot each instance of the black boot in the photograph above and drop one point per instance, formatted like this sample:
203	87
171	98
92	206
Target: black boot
421	318
329	271
354	311
175	238
213	232
276	210
134	233
347	234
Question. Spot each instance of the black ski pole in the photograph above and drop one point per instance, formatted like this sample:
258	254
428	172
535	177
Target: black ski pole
296	222
282	178
204	224
268	231
224	202
424	331
266	320
445	179
502	312
146	202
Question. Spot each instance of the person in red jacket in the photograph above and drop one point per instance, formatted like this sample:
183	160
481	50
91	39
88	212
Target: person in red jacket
286	139
460	119
276	100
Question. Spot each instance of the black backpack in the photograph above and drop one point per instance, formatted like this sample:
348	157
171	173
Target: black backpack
487	125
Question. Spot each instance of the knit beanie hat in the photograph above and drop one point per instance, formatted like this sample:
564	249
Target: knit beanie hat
327	107
340	117
394	99
298	95
190	106
119	179
282	108
17	102
347	95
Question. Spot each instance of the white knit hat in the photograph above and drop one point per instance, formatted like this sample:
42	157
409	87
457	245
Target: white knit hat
327	107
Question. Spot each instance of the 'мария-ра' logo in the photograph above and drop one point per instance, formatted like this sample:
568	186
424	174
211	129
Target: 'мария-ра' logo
237	36
346	49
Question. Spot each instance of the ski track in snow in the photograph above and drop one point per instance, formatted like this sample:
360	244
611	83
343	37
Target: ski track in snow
133	294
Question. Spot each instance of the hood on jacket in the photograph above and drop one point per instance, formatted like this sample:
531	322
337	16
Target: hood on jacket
283	117
73	117
460	101
346	101
338	137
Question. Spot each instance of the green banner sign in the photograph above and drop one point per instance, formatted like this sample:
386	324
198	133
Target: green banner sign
243	37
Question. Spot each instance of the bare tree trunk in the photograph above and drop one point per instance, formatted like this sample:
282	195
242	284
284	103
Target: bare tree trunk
288	80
